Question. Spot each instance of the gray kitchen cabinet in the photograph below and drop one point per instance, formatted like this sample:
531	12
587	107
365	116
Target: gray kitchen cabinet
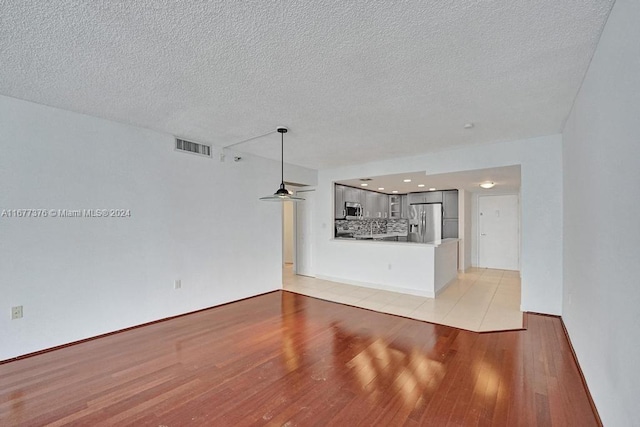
371	204
425	197
433	197
414	198
450	228
352	195
450	203
383	205
376	205
404	211
395	206
339	212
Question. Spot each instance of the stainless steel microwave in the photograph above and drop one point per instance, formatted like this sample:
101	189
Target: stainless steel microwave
353	210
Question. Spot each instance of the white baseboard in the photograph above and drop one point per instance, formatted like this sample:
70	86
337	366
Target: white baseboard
378	286
446	286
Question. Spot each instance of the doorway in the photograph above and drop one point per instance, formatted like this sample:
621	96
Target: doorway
303	264
288	234
499	232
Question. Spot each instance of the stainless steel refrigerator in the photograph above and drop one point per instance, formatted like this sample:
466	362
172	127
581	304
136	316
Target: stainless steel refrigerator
425	222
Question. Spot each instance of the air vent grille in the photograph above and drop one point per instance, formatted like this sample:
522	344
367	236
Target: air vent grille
193	147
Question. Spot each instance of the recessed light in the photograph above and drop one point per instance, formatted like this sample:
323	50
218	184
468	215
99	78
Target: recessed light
432	189
380	188
406	180
394	191
468	125
488	184
364	184
420	185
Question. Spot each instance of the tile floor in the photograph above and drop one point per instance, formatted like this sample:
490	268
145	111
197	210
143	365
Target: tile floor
479	300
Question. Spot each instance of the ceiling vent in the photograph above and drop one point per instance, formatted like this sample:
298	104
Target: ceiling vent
193	147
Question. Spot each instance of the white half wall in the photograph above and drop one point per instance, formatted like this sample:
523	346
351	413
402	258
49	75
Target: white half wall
192	218
541	203
465	230
601	154
390	266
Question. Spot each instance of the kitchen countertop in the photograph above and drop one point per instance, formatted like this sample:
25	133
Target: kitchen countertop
372	236
379	235
377	240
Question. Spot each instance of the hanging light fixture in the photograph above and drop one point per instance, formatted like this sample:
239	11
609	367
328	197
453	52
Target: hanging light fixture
282	194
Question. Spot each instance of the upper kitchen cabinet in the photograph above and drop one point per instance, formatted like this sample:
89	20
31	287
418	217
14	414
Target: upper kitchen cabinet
371	203
376	204
450	203
339	202
395	206
404	212
426	197
353	195
414	198
383	205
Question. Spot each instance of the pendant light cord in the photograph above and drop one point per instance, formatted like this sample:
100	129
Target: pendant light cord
282	157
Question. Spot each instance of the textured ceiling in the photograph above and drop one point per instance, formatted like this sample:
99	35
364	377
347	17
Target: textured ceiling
355	81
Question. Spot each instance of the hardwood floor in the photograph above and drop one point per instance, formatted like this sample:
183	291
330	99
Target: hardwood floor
287	359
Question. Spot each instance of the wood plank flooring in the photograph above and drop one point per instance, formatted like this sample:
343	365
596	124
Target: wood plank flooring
287	359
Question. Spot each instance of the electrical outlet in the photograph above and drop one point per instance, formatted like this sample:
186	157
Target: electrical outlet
177	284
16	312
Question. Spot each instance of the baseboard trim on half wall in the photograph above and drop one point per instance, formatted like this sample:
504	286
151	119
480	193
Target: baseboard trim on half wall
377	286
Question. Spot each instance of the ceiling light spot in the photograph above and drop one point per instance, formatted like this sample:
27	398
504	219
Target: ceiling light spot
380	188
364	184
406	180
420	185
488	184
394	191
432	189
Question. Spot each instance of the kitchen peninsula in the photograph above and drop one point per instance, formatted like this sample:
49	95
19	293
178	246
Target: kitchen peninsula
422	269
388	248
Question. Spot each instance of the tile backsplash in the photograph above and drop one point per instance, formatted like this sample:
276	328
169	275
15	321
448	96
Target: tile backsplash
359	227
397	226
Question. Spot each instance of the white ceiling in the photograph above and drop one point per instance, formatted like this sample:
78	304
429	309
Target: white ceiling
354	81
507	180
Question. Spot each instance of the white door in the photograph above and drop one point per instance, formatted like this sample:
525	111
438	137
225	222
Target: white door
499	229
304	233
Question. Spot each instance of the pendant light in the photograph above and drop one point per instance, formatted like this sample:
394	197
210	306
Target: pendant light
282	194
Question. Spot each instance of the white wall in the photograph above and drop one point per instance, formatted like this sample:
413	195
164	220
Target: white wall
467	236
602	220
192	218
464	229
541	198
